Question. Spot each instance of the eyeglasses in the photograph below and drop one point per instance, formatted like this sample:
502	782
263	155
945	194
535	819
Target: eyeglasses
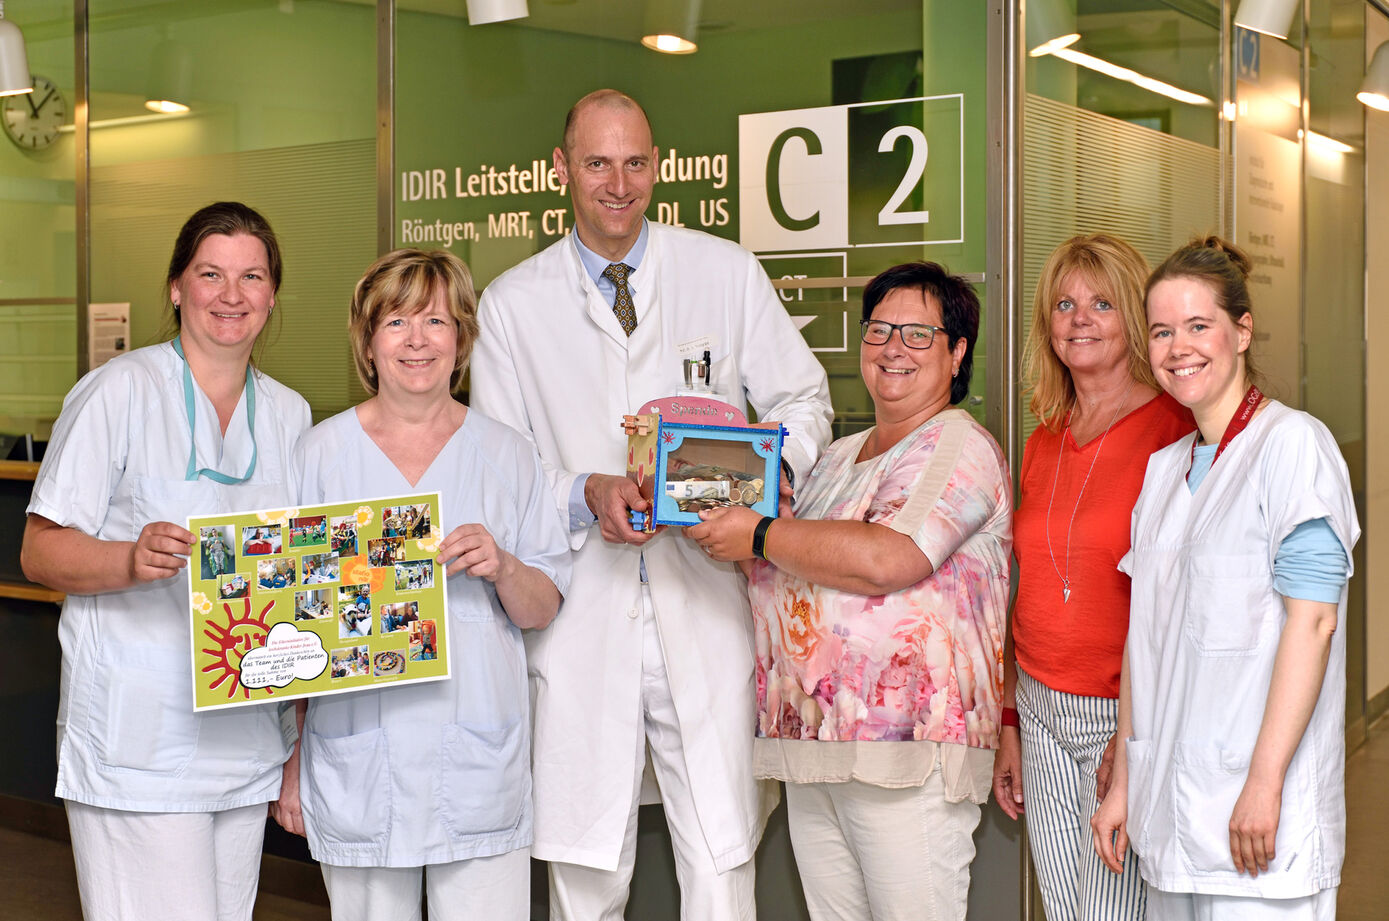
913	335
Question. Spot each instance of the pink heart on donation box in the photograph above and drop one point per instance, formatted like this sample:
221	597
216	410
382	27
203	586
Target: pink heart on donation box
699	410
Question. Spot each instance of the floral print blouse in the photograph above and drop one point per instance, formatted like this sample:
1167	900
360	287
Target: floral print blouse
920	664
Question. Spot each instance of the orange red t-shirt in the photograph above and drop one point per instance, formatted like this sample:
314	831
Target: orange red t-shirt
1077	646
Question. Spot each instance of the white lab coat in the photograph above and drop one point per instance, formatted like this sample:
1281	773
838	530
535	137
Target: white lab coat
553	362
1203	631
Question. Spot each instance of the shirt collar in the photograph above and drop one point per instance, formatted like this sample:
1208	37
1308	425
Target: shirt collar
594	264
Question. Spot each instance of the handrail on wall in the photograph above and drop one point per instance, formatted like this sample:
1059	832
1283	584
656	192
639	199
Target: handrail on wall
849	281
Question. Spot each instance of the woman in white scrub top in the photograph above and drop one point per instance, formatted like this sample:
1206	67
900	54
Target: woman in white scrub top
166	807
1231	789
430	784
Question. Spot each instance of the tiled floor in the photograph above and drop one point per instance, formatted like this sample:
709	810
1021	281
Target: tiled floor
37	882
1364	892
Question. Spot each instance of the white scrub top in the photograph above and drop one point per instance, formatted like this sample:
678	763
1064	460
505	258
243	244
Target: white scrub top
127	734
1203	632
432	773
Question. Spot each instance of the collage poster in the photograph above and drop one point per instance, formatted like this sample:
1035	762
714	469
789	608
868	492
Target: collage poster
318	600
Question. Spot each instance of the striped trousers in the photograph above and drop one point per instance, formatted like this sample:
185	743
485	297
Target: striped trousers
1063	737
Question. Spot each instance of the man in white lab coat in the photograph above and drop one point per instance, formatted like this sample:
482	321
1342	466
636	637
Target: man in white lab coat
653	645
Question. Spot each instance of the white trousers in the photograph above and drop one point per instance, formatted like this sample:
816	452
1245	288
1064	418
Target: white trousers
1186	906
579	893
496	888
868	853
1063	737
139	866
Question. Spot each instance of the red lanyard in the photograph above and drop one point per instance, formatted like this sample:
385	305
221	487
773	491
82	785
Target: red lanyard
1252	398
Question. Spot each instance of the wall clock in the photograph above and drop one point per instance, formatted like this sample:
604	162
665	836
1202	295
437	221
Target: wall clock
32	120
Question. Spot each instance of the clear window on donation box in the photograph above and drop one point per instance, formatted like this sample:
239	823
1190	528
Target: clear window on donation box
705	473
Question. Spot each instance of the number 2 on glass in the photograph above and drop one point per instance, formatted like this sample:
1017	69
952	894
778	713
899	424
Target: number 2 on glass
889	213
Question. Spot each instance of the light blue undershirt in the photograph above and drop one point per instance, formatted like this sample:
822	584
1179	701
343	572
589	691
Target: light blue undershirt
1310	563
580	515
594	264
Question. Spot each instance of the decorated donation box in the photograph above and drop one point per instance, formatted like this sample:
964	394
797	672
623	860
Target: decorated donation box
316	600
684	464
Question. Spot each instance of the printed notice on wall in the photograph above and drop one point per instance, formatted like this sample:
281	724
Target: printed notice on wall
108	332
1268	213
317	600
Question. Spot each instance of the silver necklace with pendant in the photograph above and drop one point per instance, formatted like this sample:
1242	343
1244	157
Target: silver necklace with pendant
1066	579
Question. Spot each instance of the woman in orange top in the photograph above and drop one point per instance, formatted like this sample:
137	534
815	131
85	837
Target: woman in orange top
1102	415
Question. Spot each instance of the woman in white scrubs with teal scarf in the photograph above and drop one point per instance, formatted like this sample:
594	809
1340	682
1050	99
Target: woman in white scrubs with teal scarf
166	807
1231	788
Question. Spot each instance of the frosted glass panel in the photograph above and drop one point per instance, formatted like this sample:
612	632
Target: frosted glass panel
1161	191
282	102
319	199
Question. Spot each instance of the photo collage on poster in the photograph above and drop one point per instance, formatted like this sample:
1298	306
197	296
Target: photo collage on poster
320	600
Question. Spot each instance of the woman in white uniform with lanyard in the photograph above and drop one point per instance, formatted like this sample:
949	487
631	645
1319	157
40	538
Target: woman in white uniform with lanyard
430	784
166	807
1231	789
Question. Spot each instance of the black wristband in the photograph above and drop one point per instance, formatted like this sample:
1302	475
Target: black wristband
759	537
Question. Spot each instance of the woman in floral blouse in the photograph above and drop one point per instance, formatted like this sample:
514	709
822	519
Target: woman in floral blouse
879	612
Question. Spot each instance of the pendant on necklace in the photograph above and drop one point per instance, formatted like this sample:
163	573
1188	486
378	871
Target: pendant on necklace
1065	594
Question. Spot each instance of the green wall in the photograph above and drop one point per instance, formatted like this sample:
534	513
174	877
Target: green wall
469	98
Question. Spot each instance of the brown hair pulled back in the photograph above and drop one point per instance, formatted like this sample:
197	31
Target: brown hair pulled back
1224	268
228	218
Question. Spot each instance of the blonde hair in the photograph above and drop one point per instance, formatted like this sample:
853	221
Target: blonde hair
1116	271
406	280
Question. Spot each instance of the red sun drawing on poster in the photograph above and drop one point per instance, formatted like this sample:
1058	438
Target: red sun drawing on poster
231	641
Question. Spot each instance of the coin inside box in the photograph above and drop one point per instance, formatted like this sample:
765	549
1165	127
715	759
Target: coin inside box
683	468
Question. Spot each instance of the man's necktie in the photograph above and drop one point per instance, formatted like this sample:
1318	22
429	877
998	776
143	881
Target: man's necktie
622	302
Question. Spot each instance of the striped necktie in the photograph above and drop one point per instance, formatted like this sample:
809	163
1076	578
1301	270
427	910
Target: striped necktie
622	302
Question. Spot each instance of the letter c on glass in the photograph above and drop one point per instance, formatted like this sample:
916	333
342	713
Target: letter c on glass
812	148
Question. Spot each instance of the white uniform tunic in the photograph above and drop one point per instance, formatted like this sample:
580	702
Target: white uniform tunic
432	773
553	362
128	737
1203	631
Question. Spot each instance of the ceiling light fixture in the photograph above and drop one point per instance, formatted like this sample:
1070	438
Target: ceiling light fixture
1271	17
1099	65
1050	25
672	26
171	78
126	120
1325	144
1053	45
1374	92
14	62
481	12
